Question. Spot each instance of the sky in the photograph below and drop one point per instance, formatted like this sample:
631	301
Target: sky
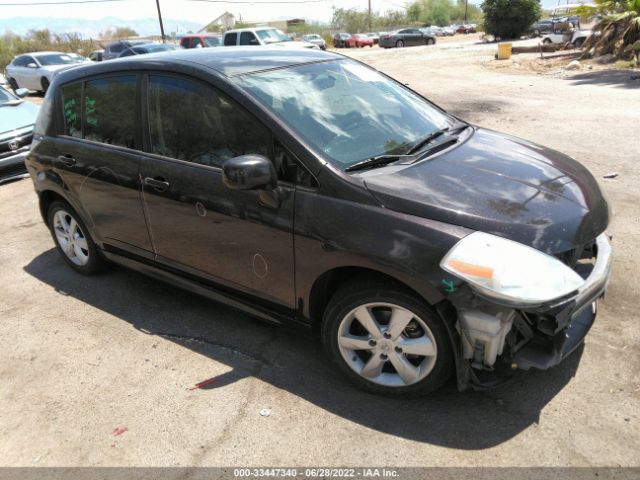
195	11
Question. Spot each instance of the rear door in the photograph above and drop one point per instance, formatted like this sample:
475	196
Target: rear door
98	158
242	240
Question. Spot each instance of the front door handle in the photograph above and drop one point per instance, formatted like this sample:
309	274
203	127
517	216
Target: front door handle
68	160
159	184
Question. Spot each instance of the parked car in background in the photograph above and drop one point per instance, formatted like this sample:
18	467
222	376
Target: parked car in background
35	71
541	27
574	37
262	36
359	40
466	29
375	36
448	31
96	55
148	48
316	40
17	119
202	40
114	49
414	245
340	40
406	37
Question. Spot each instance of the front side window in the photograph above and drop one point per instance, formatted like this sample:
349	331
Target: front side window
248	38
345	110
191	121
110	110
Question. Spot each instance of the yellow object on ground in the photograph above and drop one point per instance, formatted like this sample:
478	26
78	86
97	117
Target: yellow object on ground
504	51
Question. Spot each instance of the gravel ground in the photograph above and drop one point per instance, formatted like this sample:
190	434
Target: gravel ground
100	371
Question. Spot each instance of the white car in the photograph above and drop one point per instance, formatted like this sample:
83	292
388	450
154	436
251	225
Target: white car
575	37
35	71
262	36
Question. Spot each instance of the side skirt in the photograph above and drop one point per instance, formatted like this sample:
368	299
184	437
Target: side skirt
244	305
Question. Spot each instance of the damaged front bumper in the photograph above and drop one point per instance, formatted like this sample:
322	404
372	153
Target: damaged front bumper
494	340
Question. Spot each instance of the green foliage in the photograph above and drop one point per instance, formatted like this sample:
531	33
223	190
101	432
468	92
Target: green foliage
442	12
509	18
211	28
242	24
119	32
354	21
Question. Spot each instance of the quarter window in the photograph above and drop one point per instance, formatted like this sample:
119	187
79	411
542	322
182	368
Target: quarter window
72	109
110	110
192	121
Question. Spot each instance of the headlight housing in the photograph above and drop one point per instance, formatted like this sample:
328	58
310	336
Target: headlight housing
509	271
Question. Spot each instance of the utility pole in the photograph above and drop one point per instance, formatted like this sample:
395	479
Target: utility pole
160	20
369	15
466	3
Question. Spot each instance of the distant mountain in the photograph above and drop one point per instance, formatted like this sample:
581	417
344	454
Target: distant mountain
92	28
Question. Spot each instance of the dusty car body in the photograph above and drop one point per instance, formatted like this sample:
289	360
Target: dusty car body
412	244
17	119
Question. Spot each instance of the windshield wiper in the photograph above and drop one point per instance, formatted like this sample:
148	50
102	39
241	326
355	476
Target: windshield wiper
375	162
455	128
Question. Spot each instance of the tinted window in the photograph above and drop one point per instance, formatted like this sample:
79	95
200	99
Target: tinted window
230	38
116	47
71	110
248	38
195	42
110	110
191	121
20	62
184	42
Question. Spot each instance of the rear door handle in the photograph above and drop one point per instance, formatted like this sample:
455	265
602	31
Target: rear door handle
159	184
68	160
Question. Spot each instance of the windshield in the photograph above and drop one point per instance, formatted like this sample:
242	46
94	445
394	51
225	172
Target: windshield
5	96
55	59
345	110
213	41
272	35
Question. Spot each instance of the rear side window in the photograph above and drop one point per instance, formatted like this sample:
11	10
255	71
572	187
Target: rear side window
110	110
71	110
194	122
230	39
195	42
248	38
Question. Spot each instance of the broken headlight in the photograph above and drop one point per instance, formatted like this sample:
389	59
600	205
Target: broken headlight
509	271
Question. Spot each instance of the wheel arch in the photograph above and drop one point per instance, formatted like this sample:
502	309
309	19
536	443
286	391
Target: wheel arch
46	198
328	283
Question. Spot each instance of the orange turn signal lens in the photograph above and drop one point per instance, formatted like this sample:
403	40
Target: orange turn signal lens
471	269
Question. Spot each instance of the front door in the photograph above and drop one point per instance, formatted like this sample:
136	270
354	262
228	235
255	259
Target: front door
238	239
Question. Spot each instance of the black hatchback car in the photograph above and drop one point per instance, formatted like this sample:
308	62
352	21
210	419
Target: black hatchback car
308	189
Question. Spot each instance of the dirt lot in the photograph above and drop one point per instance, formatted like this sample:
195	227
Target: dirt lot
84	357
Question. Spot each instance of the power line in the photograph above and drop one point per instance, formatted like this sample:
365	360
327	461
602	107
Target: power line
266	2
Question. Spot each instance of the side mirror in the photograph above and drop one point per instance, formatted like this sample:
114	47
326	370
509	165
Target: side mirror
22	92
32	65
249	172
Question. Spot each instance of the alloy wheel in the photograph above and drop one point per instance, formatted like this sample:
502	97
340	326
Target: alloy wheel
71	238
387	344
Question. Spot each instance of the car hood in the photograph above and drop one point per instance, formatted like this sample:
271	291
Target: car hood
58	68
16	117
293	44
502	185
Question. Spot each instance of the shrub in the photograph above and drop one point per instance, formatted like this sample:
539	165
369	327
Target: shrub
509	18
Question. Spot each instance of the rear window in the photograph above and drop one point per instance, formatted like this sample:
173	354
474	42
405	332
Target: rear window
71	110
230	39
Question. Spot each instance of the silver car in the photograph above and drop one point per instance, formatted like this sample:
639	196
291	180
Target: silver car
316	40
17	119
34	71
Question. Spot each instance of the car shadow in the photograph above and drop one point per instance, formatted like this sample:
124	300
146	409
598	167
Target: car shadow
469	420
616	78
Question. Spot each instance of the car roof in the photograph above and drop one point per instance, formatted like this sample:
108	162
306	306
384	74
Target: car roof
208	34
227	61
251	29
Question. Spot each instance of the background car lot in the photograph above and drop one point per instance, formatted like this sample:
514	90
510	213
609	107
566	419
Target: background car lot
85	357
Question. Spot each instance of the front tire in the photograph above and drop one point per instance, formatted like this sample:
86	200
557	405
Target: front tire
386	340
72	239
399	44
44	83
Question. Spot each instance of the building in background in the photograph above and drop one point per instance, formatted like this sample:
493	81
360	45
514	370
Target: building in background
224	22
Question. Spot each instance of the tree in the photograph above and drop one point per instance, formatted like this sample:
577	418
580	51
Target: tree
509	18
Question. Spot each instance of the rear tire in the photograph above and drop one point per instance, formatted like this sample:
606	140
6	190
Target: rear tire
44	83
368	329
546	41
72	239
578	43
